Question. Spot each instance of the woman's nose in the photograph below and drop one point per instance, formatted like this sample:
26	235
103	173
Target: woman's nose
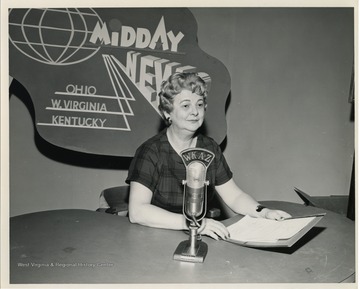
195	110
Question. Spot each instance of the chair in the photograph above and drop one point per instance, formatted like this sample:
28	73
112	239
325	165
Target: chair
115	200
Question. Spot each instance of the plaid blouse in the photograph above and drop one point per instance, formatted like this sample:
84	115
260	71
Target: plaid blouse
157	166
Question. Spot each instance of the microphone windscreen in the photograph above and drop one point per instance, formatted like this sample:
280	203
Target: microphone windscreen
195	175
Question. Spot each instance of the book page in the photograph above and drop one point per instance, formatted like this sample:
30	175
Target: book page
265	230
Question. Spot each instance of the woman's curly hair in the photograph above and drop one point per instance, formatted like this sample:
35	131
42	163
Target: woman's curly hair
176	83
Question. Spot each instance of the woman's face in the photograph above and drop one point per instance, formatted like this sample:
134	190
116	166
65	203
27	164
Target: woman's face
188	111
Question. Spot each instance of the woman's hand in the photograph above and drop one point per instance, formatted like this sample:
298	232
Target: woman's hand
275	214
214	229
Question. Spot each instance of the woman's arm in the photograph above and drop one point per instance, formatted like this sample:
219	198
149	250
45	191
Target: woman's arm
242	203
141	210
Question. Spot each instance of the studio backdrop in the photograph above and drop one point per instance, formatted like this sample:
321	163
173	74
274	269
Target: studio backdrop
93	75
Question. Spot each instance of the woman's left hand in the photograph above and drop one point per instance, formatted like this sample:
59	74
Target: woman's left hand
213	229
276	215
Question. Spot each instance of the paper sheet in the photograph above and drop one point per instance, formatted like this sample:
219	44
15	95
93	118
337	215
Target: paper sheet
264	230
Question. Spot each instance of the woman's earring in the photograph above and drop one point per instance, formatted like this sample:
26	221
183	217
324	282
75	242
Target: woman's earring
169	120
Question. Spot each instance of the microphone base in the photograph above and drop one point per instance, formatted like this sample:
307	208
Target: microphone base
185	252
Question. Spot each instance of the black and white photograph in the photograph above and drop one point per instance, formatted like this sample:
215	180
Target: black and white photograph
185	144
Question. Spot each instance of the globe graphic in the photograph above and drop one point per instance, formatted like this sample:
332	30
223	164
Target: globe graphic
54	36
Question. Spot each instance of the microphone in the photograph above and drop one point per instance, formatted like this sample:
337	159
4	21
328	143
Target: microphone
195	190
196	161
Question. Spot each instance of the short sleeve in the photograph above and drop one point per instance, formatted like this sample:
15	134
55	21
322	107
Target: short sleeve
223	172
143	168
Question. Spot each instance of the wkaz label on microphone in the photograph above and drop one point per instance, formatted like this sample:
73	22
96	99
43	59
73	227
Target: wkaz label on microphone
197	154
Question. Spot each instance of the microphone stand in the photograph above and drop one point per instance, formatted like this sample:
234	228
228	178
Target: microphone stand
194	249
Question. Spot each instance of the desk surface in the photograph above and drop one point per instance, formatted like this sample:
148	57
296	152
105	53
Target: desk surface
80	246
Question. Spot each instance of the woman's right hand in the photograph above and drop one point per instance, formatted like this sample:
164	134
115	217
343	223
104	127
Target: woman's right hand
214	229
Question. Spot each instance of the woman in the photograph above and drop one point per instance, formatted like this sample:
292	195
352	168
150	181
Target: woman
157	170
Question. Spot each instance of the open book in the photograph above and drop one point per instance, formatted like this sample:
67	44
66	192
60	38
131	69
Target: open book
259	232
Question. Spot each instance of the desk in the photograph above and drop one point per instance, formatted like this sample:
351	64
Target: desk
80	246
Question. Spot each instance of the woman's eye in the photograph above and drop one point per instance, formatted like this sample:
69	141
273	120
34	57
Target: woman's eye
201	104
